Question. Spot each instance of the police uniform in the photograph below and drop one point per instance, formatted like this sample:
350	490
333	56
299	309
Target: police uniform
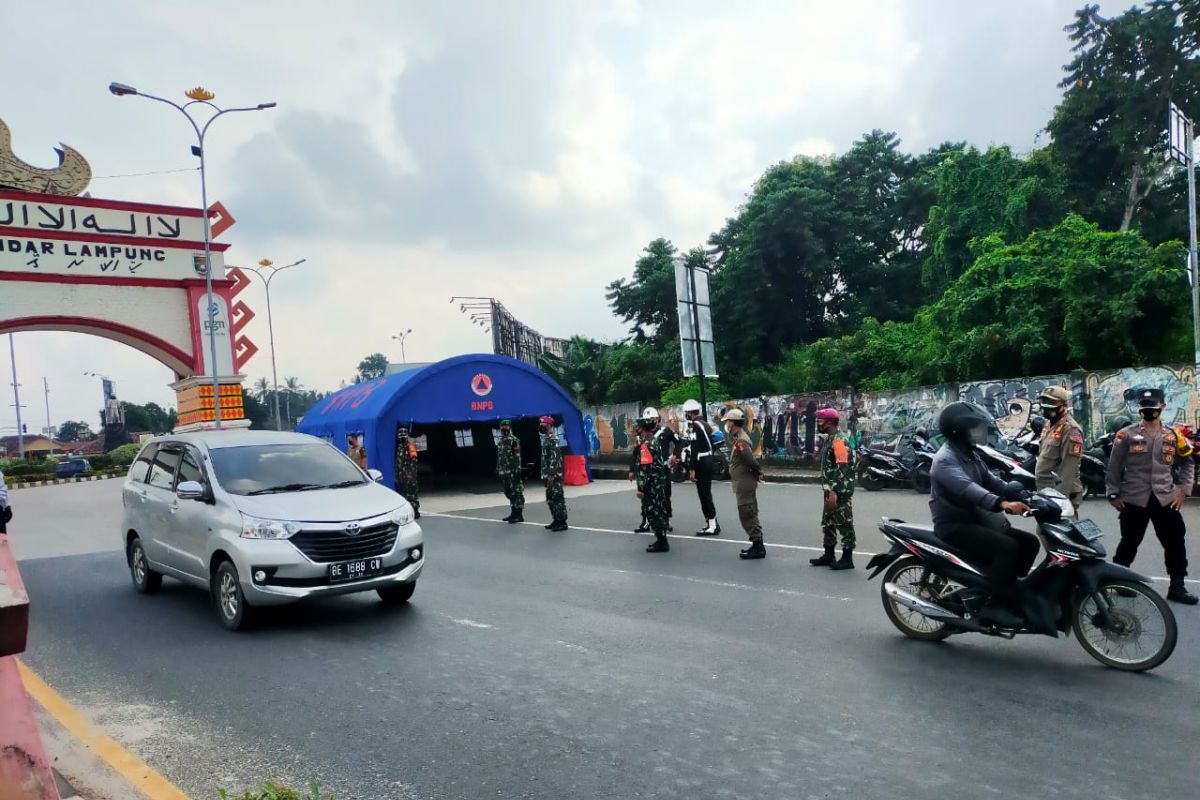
508	468
406	471
700	464
744	475
1060	450
1150	467
552	476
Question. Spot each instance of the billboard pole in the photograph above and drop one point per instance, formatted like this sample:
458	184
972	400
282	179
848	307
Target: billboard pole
1192	263
691	268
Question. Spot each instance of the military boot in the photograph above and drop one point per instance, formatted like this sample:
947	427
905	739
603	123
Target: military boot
643	528
1178	593
515	517
508	518
846	561
755	550
825	560
659	545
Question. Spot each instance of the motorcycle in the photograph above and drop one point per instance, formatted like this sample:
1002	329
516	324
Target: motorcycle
1093	465
930	591
1193	438
879	468
1007	468
920	476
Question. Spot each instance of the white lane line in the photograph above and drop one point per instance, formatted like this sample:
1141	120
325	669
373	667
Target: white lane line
730	585
469	623
686	538
578	648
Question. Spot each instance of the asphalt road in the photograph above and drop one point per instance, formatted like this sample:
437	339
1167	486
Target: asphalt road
539	665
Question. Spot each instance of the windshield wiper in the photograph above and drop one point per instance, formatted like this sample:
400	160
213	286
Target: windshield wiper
290	487
343	484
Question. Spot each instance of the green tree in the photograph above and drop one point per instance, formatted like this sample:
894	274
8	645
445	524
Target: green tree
75	432
584	370
292	390
648	300
372	367
1109	131
257	412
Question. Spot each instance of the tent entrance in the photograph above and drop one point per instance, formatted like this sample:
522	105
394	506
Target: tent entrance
462	455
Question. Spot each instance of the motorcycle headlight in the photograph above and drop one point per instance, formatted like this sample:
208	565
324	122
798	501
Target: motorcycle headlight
402	515
258	528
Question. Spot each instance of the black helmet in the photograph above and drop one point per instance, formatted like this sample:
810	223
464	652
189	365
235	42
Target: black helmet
1036	424
965	423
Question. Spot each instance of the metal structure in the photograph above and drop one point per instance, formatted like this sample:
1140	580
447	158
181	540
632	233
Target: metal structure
1181	140
12	354
400	339
267	267
200	96
510	336
698	351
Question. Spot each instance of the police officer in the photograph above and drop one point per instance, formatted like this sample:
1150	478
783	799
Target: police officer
745	474
837	480
700	465
508	468
653	479
406	470
552	475
1150	474
1061	445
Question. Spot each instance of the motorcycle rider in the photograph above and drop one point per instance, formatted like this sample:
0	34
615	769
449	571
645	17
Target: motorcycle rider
700	464
966	500
1061	445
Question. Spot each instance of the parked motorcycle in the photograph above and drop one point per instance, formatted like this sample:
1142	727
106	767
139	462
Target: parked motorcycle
1007	468
879	468
1093	465
920	476
1193	438
930	591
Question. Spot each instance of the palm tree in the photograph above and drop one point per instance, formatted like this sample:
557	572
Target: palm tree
293	387
262	390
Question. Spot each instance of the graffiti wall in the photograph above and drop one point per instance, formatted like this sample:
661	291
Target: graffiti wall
783	427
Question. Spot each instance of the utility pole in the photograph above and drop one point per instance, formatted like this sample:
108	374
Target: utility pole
49	427
12	354
1181	134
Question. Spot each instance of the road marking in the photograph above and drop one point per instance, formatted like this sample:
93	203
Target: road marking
730	585
576	647
138	773
686	538
469	623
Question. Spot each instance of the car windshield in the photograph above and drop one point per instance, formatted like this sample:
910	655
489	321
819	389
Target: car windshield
276	468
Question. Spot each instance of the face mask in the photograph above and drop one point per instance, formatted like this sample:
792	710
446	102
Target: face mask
977	435
1150	414
1053	413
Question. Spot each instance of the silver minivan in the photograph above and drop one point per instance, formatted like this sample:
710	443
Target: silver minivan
260	518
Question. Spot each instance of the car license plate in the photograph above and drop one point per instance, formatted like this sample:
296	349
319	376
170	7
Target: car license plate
355	570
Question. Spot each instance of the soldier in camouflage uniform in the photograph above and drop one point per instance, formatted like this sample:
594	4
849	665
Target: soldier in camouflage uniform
552	476
406	470
653	478
837	479
508	467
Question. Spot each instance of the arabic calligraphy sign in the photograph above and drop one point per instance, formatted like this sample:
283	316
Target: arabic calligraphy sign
86	237
149	222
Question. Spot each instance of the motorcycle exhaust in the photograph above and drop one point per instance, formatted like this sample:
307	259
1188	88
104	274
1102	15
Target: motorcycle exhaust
911	601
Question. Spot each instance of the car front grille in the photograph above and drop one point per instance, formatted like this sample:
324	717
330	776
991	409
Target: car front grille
325	547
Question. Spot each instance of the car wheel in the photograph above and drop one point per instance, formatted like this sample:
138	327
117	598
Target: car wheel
145	580
397	595
233	611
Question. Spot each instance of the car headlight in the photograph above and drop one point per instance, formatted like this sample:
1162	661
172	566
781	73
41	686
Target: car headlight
402	515
257	528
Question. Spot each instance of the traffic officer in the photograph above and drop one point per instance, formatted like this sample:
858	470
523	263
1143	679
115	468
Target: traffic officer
406	470
653	478
508	468
837	481
745	474
552	475
1061	447
1150	474
700	465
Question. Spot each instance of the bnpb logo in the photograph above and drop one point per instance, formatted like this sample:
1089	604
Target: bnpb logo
481	385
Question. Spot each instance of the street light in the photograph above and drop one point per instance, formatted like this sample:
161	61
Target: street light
400	339
200	96
270	270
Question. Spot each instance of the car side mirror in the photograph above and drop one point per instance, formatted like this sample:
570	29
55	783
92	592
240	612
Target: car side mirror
190	490
375	475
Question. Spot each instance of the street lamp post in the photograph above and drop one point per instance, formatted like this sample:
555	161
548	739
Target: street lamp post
12	354
266	271
200	96
400	339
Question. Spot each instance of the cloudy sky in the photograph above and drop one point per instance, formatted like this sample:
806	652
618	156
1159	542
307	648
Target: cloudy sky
524	150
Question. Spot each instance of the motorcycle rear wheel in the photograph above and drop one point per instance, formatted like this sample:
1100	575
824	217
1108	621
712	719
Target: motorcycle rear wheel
1137	612
868	480
906	574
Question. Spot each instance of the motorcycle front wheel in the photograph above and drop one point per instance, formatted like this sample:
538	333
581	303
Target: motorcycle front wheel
1136	633
911	575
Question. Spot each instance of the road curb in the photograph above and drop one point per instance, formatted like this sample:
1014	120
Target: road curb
60	481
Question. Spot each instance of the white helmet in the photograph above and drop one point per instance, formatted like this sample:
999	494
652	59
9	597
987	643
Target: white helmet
651	413
691	405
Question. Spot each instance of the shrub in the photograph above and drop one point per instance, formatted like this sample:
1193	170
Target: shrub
122	456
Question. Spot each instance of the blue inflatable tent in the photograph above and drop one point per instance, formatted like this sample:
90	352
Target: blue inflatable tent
456	404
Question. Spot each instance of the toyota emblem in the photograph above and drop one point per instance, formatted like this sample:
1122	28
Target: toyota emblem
353	529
